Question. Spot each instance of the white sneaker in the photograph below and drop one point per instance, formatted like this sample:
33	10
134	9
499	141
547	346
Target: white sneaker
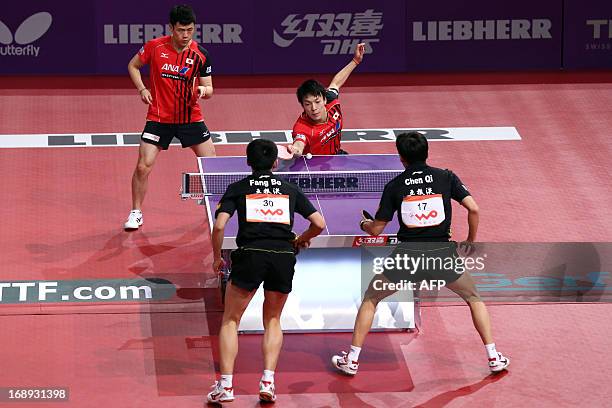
498	364
134	220
343	364
266	391
220	394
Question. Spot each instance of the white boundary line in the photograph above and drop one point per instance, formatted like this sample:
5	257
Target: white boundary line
317	197
384	135
211	220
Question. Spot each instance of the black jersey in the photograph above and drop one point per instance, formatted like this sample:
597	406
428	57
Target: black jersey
421	196
266	204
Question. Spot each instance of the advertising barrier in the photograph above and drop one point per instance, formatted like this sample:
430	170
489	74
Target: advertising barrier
587	34
483	35
100	37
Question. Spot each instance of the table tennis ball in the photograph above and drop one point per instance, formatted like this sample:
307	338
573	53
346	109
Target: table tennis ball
308	156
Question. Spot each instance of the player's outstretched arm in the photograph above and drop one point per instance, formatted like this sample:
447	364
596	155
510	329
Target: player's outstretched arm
217	239
297	148
473	217
317	224
341	77
134	67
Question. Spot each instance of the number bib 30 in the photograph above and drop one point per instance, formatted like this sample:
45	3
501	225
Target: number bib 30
423	211
268	208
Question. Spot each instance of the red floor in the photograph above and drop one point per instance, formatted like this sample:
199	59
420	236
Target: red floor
64	208
163	359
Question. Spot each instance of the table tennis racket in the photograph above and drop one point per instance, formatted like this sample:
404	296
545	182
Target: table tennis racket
366	215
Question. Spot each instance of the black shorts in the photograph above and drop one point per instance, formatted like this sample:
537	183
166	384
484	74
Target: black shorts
426	261
161	134
252	266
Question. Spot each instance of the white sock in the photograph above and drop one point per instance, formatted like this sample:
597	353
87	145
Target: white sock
353	355
268	376
226	380
491	351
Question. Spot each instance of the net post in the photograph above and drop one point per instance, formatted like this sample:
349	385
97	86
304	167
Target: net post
185	186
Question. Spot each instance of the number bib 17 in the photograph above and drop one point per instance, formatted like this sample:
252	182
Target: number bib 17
268	208
423	211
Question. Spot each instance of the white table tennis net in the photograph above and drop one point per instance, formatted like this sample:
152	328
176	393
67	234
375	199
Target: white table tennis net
198	185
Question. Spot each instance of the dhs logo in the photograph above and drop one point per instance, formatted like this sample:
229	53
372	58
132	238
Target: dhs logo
339	33
370	241
30	30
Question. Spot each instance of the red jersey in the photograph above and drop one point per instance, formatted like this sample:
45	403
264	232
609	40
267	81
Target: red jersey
174	80
321	138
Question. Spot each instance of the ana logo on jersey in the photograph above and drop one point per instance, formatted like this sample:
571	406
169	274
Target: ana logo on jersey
30	30
175	68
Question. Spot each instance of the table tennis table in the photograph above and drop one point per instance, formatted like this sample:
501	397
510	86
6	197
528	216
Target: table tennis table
339	187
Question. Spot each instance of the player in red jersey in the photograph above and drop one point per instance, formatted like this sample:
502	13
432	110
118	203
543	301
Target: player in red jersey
318	129
180	75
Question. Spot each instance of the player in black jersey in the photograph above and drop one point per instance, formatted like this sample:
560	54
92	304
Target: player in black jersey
265	205
421	196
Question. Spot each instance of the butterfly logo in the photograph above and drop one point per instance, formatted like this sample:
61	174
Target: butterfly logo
30	30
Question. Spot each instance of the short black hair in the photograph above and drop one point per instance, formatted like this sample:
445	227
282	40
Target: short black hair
182	14
412	146
261	154
310	87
